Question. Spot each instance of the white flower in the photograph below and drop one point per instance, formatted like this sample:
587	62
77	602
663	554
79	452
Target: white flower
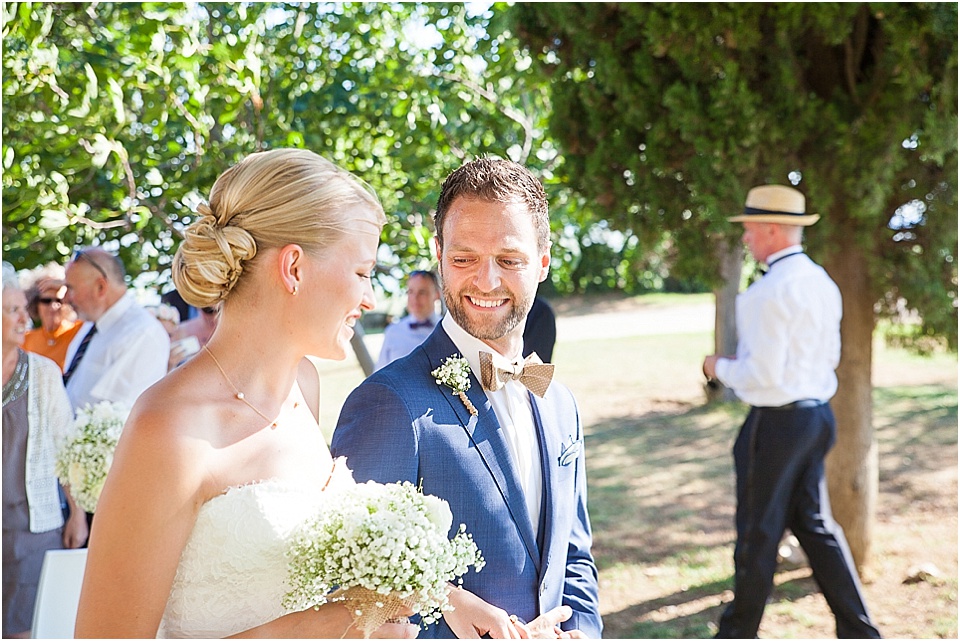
85	459
390	540
438	511
454	372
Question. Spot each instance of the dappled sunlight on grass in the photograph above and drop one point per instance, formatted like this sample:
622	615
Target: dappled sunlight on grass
661	487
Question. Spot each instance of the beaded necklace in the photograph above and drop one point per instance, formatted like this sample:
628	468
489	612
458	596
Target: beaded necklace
18	383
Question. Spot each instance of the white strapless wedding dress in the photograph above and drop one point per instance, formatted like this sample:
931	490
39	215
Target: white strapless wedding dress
233	573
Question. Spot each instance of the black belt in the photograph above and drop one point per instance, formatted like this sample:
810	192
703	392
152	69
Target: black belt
797	405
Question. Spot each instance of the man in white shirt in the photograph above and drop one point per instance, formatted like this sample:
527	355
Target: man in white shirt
400	338
789	346
123	349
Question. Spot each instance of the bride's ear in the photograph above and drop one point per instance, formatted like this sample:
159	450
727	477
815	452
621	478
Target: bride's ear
290	258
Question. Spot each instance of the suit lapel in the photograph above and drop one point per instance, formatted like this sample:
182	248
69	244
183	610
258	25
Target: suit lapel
487	437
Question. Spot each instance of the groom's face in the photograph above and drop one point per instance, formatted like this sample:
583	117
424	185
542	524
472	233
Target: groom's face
491	266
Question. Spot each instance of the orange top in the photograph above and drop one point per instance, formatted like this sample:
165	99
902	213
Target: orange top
52	345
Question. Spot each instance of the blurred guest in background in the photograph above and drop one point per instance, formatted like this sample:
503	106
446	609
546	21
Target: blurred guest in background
201	328
125	350
36	419
400	338
540	331
168	315
58	323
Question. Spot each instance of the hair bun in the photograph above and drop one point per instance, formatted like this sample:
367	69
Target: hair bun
210	259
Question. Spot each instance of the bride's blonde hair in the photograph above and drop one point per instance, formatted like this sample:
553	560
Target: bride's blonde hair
269	199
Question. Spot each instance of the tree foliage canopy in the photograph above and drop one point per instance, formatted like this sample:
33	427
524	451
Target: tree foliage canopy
669	113
118	117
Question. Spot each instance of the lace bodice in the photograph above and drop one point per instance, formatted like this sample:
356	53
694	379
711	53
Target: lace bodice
233	573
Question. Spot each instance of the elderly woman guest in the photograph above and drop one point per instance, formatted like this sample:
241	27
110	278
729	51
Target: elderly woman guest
58	322
36	416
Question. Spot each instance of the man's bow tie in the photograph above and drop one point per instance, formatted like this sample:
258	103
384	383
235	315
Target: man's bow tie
533	373
417	325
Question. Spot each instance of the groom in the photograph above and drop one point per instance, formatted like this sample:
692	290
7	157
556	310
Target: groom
507	454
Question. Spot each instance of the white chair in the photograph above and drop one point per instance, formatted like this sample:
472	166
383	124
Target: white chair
58	594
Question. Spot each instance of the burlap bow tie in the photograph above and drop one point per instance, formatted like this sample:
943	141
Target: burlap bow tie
533	373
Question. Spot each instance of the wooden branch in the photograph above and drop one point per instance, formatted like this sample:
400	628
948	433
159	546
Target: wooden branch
517	116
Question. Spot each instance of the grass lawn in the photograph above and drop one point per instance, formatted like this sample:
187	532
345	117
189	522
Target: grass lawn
661	486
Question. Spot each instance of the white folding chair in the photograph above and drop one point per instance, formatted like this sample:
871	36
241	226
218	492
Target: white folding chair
58	594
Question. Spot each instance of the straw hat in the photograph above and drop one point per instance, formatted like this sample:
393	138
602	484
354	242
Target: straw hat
776	204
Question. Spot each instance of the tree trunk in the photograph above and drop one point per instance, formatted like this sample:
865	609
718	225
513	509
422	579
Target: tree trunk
730	261
852	465
360	349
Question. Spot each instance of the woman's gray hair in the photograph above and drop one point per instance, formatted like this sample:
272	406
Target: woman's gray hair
10	278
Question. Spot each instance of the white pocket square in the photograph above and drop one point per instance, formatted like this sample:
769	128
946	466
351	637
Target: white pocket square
570	452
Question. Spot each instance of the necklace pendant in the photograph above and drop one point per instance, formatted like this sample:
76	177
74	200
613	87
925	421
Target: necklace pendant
239	396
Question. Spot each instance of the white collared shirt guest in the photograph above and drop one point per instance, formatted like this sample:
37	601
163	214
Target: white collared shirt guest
788	348
779	362
400	338
129	351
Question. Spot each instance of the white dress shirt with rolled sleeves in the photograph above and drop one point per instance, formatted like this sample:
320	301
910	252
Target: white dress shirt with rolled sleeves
788	326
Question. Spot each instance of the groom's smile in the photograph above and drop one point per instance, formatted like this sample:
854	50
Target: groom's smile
490	267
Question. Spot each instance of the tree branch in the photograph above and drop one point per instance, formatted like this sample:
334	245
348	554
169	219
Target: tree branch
490	96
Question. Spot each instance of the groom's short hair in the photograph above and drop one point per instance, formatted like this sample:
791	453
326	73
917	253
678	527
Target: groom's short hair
500	181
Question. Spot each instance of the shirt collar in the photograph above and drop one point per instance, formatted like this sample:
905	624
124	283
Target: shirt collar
783	253
433	319
112	315
470	347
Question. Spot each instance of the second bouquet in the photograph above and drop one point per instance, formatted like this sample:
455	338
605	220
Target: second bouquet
382	549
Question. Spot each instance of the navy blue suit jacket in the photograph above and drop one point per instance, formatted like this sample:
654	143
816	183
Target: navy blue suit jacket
400	425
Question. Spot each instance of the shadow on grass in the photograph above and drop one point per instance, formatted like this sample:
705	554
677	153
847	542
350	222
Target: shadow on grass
693	613
658	482
661	491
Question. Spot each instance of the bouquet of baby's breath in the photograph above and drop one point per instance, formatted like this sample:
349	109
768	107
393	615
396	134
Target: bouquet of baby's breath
84	460
379	548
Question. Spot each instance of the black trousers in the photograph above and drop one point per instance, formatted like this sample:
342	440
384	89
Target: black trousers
779	457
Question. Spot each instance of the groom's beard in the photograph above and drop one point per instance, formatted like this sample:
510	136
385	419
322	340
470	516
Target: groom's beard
490	330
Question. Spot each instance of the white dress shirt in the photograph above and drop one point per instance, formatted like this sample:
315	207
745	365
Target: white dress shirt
399	339
788	324
511	404
127	355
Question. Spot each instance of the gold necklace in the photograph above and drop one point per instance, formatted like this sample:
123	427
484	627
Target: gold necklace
238	394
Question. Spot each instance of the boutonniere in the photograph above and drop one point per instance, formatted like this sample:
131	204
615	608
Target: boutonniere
454	372
570	451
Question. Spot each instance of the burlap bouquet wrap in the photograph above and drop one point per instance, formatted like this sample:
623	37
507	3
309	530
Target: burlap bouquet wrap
370	609
383	550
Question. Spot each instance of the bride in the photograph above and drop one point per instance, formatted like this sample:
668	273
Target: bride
223	457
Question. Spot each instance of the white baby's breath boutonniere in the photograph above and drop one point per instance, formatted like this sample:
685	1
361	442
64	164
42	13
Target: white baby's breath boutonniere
454	372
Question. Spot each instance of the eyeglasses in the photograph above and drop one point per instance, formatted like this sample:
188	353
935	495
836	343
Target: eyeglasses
81	255
50	301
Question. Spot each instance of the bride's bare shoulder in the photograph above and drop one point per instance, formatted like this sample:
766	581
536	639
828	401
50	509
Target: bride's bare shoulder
177	405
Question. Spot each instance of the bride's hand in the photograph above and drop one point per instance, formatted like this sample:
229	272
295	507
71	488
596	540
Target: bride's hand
473	617
397	628
547	626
